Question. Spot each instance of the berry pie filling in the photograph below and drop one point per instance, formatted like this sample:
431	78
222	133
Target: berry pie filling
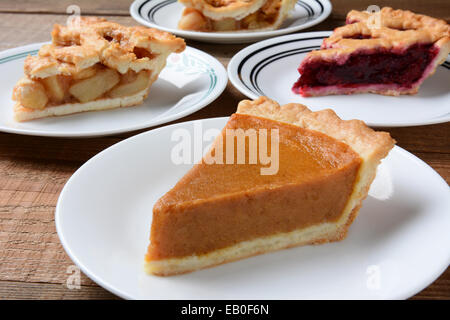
368	67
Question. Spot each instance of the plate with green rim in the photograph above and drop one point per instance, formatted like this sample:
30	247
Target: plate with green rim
190	81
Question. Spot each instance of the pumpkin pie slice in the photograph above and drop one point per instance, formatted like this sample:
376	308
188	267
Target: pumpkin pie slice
92	64
299	178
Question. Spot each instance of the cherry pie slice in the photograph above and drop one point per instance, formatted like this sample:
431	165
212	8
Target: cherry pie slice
234	15
389	52
92	64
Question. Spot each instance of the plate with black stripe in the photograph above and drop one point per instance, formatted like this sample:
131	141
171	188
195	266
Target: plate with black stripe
269	68
165	14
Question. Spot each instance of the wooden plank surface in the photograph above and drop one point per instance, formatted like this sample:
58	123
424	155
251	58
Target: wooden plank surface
33	170
88	7
435	8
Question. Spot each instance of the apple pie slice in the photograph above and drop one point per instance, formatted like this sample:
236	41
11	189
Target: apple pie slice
389	52
234	15
92	64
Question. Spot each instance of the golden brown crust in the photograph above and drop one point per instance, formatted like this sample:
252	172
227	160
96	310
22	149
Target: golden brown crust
22	114
365	141
321	234
82	44
401	20
388	28
221	9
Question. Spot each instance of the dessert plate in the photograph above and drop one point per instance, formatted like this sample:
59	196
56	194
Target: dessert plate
397	246
190	81
164	15
269	68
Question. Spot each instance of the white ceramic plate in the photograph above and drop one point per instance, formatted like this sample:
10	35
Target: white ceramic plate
165	14
395	248
190	81
270	68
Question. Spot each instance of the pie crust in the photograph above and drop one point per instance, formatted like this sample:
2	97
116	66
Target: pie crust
221	9
182	213
92	64
234	15
390	33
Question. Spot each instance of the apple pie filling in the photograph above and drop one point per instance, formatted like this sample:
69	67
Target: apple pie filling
89	84
193	19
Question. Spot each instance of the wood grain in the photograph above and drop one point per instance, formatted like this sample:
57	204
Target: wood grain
88	7
20	290
435	8
33	170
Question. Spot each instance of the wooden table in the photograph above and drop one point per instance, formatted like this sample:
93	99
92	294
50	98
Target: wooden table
33	170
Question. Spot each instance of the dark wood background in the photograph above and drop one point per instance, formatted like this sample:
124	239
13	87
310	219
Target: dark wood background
33	170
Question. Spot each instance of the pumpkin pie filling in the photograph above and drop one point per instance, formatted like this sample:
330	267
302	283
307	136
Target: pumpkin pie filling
207	209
